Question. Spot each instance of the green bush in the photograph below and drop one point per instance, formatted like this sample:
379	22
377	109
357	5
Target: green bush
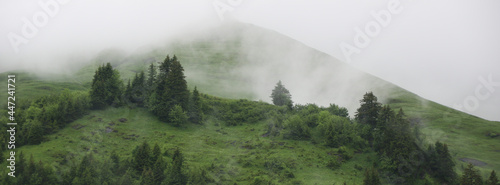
236	112
177	116
296	129
338	131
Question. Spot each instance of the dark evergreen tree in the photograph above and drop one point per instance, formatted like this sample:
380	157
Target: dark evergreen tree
471	176
176	174
281	96
156	153
36	174
159	166
441	163
127	95
177	93
171	89
106	87
147	177
142	157
127	178
158	100
195	113
151	81
369	110
138	89
164	70
383	134
492	180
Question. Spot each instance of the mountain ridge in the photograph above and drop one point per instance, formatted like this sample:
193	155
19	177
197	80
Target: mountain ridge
248	63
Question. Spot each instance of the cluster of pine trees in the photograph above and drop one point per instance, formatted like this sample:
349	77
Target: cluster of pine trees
148	166
164	92
45	115
402	157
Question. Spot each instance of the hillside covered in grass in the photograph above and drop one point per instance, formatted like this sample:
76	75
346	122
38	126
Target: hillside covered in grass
248	141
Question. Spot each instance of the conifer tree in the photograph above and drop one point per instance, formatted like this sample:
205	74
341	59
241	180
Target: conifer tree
142	157
368	112
443	164
106	87
159	170
281	96
492	180
171	89
150	83
128	91
177	93
147	177
471	176
127	178
176	174
164	70
195	113
138	91
156	153
383	134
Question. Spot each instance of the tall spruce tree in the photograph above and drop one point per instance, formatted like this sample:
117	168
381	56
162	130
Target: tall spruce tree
127	94
471	176
177	93
369	110
171	89
142	157
195	113
159	165
492	180
147	177
151	81
443	164
157	102
281	96
176	174
384	134
138	89
106	87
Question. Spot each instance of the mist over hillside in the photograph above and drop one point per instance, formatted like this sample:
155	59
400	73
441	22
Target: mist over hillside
244	61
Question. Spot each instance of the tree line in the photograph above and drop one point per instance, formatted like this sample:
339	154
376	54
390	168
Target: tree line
163	92
402	157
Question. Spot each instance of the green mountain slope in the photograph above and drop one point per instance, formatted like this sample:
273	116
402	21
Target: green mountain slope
244	61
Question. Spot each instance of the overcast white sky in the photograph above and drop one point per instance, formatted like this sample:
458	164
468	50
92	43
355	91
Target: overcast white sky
438	50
